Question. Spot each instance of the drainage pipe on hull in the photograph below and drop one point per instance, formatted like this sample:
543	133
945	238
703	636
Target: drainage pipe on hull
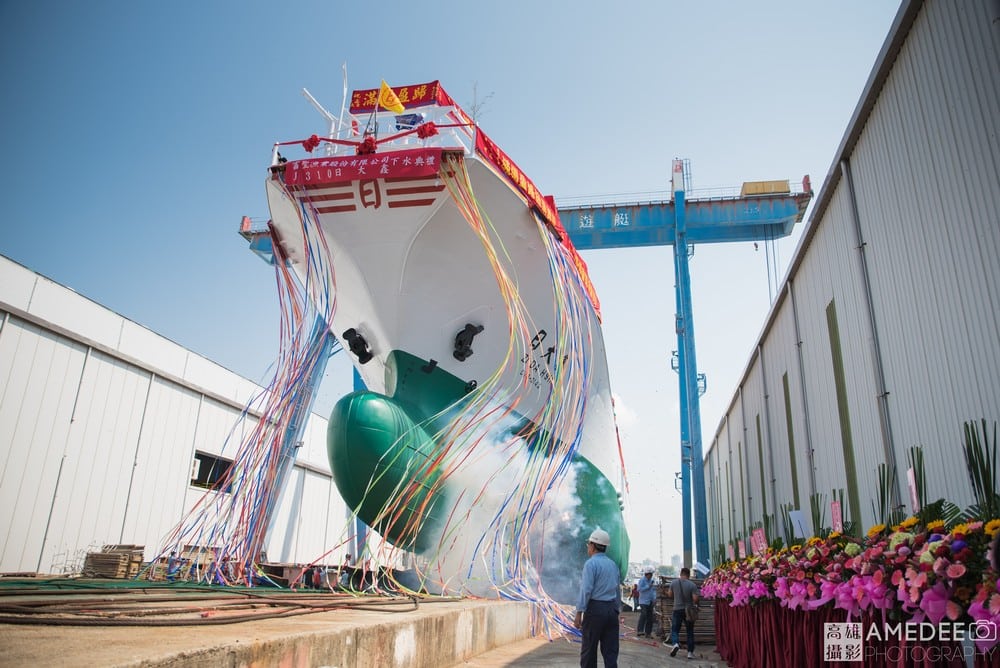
135	456
62	460
885	423
802	389
767	429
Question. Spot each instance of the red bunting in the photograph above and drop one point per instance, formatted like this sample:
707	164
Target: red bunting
310	144
425	130
367	146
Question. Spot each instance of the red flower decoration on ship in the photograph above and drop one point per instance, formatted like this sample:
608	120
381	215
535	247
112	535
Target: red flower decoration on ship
425	130
367	146
311	143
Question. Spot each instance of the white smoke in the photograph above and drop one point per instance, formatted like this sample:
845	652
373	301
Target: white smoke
506	534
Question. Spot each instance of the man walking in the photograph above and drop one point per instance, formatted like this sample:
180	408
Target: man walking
647	597
599	604
684	593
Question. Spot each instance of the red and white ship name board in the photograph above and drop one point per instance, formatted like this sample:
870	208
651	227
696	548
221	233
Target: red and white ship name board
409	163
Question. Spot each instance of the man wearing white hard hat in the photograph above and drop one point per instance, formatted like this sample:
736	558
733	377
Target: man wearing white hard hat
599	605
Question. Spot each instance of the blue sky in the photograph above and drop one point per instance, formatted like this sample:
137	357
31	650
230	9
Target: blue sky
138	133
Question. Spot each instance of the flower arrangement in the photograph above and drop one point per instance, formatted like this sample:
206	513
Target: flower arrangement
908	572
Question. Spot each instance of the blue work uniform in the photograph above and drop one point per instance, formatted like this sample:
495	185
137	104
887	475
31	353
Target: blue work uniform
647	597
600	603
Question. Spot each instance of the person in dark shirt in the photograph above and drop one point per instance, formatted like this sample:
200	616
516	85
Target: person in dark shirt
684	593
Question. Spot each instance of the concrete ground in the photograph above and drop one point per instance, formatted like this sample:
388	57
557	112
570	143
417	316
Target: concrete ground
404	636
348	633
633	653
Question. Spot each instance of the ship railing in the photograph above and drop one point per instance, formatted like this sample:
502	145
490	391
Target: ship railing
391	132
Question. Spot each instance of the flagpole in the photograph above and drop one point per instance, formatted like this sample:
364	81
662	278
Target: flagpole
377	98
343	103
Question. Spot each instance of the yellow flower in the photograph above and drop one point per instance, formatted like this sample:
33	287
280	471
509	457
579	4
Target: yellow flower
960	528
876	530
812	541
935	526
992	527
908	522
834	534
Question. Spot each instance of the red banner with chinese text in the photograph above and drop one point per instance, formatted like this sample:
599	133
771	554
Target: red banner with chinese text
411	163
416	95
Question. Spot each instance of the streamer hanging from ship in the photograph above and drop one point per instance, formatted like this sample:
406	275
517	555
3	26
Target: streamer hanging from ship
485	443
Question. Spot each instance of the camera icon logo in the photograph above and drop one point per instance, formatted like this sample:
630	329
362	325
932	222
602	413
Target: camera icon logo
983	629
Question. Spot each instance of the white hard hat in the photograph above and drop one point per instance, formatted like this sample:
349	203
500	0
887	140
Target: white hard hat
600	537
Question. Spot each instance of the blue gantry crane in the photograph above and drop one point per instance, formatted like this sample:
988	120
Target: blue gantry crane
763	211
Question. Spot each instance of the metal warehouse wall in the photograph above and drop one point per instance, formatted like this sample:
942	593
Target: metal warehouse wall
886	334
100	420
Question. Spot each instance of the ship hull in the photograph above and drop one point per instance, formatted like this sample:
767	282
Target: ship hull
437	306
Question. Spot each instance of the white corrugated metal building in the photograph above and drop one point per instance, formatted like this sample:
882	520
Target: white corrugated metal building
886	333
103	424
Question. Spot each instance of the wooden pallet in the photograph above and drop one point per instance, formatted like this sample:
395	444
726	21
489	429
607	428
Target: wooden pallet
114	561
